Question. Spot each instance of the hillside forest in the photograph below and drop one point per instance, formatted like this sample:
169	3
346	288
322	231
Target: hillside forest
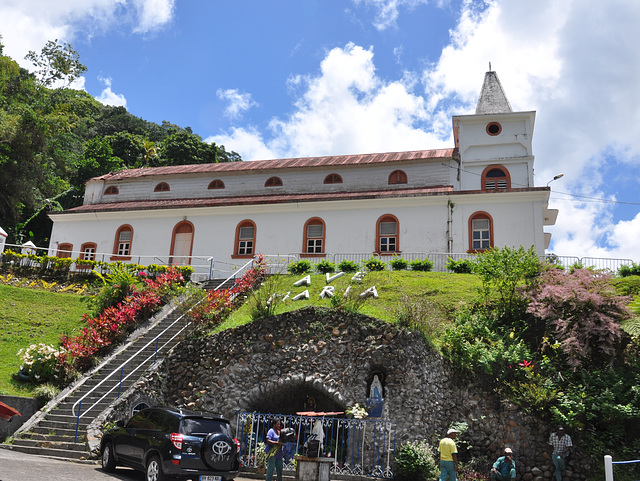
54	138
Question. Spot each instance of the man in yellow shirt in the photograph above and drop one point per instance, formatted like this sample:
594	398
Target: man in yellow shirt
448	456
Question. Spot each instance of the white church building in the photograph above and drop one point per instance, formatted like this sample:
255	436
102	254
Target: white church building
478	194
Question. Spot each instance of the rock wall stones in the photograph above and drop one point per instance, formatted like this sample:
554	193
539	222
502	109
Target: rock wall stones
283	363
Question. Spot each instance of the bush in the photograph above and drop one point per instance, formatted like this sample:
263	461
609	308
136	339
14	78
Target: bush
45	392
424	265
374	264
461	266
348	266
398	263
40	363
415	462
629	270
325	267
299	267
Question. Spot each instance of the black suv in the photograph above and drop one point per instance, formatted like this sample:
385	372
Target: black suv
173	443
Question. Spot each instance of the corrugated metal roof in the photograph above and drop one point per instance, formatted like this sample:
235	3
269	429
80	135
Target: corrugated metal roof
300	162
257	199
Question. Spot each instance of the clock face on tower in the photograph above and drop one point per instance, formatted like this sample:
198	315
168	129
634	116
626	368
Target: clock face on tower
494	128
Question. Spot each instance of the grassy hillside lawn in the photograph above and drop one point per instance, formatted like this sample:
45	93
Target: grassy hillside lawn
29	316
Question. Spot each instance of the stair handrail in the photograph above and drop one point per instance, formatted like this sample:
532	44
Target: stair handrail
184	301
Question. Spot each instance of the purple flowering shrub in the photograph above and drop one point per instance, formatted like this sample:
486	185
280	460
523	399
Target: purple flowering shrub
582	312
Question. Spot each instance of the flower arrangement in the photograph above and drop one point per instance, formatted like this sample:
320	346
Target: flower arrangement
40	362
357	411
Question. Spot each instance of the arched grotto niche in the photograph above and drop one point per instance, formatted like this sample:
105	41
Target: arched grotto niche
293	397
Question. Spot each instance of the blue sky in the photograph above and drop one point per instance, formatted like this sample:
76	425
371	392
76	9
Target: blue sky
284	78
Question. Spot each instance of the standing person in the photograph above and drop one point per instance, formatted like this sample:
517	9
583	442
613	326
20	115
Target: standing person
562	444
274	450
448	456
504	469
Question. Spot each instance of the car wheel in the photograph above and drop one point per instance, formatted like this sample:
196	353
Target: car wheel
154	470
108	459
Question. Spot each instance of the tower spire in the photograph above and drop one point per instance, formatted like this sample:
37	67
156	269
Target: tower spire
492	98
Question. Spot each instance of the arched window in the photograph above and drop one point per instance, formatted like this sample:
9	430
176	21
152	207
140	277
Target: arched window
245	239
122	243
273	182
111	190
88	251
480	232
387	237
216	184
181	244
314	235
397	177
333	179
496	177
162	187
64	250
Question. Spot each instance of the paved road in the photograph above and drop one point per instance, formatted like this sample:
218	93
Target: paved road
16	466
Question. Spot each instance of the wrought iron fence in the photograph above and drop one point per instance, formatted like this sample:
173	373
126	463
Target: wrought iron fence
357	447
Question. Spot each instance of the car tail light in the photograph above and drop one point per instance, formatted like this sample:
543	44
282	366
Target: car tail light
237	445
176	439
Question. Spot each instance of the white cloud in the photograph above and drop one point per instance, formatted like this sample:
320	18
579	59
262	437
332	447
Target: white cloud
238	102
28	25
345	109
108	97
387	11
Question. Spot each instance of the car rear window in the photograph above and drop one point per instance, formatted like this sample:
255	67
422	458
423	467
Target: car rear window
204	426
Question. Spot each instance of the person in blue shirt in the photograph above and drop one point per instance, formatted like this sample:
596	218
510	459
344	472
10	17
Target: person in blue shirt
504	469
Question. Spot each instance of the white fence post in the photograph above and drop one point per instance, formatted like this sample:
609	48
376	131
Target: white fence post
608	468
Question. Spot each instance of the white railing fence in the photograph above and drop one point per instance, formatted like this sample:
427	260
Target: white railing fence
358	447
207	267
608	466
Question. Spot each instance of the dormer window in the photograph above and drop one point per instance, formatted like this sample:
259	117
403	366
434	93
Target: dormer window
496	177
216	184
111	190
273	182
333	179
397	177
162	187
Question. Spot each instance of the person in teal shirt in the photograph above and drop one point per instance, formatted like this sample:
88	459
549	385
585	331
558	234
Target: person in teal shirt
504	469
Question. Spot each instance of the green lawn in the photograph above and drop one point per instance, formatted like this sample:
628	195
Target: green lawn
29	316
439	294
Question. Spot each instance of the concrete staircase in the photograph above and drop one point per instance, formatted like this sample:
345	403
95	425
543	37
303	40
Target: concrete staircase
53	432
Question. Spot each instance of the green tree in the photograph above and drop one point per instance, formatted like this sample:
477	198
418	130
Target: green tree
56	62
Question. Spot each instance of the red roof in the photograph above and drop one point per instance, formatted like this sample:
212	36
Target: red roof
257	199
334	160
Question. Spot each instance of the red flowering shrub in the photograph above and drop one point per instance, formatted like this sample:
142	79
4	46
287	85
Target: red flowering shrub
114	323
217	305
582	312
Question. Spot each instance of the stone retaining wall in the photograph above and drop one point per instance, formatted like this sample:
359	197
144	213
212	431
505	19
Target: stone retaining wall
325	360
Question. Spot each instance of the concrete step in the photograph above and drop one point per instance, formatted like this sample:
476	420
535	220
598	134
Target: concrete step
50	444
67	433
52	452
61	438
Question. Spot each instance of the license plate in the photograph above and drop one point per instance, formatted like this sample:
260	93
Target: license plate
206	477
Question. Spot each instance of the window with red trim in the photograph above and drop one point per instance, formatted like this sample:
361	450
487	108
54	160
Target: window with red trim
216	184
397	177
480	232
88	251
496	177
245	239
162	187
387	237
333	179
64	250
111	190
123	241
314	235
273	182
